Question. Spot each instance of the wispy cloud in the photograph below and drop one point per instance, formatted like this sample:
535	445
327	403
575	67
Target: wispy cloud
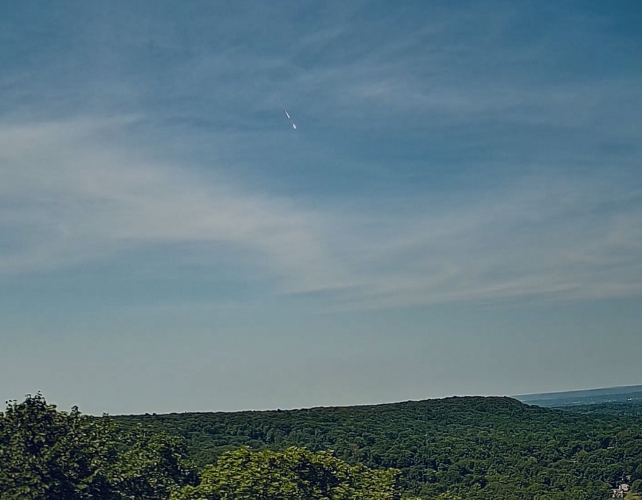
464	81
73	199
477	164
70	195
552	238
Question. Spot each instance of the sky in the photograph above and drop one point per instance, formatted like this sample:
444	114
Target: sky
458	212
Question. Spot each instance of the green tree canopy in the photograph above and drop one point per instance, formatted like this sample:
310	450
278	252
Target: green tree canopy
46	454
292	474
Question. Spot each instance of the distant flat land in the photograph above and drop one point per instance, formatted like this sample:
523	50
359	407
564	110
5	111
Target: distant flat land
631	394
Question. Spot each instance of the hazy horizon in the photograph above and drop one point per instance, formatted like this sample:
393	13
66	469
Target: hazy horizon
528	399
458	212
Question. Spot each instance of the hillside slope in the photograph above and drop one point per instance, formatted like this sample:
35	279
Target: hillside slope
480	448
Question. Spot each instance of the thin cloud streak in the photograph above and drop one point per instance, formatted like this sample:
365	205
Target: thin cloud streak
551	239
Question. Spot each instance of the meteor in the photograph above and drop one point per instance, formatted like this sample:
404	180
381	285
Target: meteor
287	115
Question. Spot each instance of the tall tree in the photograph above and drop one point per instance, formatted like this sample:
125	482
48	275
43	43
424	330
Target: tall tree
46	454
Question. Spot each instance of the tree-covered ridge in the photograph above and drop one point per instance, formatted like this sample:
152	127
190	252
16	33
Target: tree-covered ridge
469	448
46	454
478	448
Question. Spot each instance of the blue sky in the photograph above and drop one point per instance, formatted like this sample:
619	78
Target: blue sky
458	212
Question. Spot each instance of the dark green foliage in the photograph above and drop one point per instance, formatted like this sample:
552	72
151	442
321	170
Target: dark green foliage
151	465
468	448
46	454
475	448
627	409
50	455
293	474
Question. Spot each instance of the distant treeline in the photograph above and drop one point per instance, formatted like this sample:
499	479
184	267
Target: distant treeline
474	447
624	409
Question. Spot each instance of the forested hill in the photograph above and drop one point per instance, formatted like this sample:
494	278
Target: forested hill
479	448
